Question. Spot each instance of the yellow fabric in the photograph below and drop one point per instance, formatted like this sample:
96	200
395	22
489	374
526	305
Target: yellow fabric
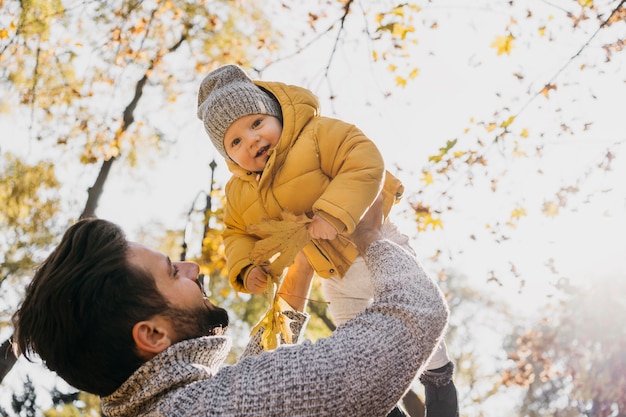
320	165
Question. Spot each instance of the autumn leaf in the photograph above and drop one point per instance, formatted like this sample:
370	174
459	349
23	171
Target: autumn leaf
434	223
282	240
400	82
546	89
442	151
490	127
274	323
550	209
503	44
507	122
517	213
427	177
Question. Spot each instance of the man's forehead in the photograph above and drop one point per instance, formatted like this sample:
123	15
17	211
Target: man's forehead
145	257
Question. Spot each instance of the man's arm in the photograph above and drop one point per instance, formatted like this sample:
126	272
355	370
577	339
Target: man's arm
363	368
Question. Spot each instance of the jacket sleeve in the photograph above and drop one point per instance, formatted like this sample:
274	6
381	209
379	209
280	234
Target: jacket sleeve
356	170
237	244
364	367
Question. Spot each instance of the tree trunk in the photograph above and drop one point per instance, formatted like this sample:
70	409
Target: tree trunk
95	191
7	358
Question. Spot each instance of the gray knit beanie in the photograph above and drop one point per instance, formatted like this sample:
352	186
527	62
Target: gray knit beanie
227	94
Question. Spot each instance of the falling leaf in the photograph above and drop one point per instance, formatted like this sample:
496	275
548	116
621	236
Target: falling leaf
4	33
503	44
524	133
585	3
542	31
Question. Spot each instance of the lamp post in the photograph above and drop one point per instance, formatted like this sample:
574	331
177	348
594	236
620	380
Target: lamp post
208	207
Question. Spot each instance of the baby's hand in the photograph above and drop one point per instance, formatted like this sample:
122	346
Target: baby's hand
321	229
256	282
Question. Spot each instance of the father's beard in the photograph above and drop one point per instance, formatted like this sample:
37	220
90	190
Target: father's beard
196	322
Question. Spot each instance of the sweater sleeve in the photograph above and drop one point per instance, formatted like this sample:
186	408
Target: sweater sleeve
364	367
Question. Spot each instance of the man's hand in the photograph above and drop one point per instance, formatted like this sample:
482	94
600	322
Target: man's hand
256	282
321	229
368	229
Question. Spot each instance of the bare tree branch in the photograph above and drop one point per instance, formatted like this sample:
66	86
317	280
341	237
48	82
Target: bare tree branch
95	191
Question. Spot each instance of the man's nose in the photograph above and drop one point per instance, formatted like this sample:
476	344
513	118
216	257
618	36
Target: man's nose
188	270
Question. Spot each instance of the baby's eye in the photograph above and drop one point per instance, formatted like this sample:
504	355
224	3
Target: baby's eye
257	122
235	142
175	271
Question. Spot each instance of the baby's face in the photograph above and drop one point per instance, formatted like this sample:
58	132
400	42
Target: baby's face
249	138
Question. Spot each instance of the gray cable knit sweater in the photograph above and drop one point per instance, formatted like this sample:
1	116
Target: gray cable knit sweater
361	370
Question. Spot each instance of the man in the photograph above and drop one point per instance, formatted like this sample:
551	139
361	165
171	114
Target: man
119	320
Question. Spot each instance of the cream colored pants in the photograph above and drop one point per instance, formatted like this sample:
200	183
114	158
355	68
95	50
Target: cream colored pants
350	295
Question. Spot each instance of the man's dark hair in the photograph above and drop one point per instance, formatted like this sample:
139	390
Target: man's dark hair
80	308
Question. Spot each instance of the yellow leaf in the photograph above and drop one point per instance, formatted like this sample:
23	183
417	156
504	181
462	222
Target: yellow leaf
400	81
550	209
546	89
413	73
524	133
392	67
274	324
490	127
434	223
507	122
398	11
585	3
375	56
542	31
442	151
427	177
282	240
503	44
517	213
4	33
519	153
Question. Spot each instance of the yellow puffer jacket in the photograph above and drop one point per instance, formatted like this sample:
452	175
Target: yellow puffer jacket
320	166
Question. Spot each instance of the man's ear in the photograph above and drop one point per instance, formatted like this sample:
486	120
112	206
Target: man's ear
151	337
